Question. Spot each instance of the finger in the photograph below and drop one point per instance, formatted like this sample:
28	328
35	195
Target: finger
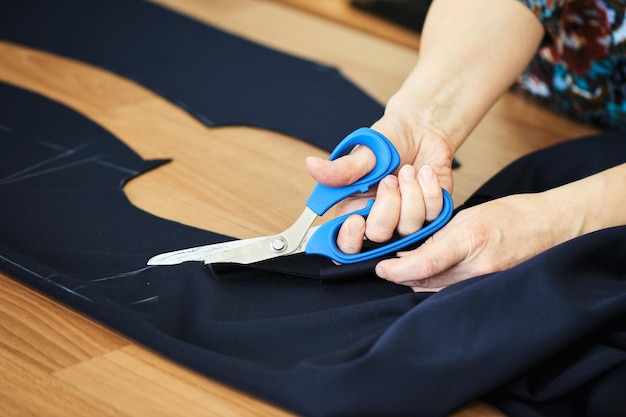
435	257
413	212
429	285
351	234
383	218
452	275
354	203
431	191
344	170
418	288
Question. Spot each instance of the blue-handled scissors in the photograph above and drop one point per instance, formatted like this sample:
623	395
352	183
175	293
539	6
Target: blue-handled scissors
319	240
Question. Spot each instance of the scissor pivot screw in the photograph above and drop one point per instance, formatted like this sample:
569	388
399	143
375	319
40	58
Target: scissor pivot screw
278	245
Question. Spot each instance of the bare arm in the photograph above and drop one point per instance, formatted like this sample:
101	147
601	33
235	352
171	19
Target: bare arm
471	52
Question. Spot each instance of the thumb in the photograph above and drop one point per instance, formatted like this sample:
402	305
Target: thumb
430	265
344	170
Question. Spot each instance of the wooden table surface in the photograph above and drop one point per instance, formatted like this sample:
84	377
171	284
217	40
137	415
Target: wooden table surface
57	362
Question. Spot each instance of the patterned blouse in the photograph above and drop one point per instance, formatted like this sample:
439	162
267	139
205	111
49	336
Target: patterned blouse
580	69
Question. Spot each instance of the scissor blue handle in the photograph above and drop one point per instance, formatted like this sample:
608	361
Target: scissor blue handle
324	240
387	160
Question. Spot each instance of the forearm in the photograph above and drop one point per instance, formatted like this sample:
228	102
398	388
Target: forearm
587	205
471	51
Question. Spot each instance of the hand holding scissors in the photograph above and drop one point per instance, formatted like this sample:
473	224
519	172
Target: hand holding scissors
319	240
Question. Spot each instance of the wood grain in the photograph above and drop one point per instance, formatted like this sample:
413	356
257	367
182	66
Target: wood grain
57	362
341	11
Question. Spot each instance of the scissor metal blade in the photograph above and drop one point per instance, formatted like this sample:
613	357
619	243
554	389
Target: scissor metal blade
259	250
247	251
245	254
199	253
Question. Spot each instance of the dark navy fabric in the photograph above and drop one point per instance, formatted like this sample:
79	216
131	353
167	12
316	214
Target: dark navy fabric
219	78
546	338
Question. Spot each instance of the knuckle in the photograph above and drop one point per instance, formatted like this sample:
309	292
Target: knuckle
478	238
422	283
430	267
431	193
378	235
407	229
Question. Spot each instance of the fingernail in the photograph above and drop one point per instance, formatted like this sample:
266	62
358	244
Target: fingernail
407	172
311	160
391	181
427	173
380	271
355	227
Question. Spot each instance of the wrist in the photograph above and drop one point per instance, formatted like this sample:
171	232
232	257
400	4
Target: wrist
419	143
435	106
587	205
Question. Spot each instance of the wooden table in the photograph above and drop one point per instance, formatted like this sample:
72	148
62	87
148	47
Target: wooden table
57	362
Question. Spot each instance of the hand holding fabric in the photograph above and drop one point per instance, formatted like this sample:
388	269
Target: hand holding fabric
482	239
504	232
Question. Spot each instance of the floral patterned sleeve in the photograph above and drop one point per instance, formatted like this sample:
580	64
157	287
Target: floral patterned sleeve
580	69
